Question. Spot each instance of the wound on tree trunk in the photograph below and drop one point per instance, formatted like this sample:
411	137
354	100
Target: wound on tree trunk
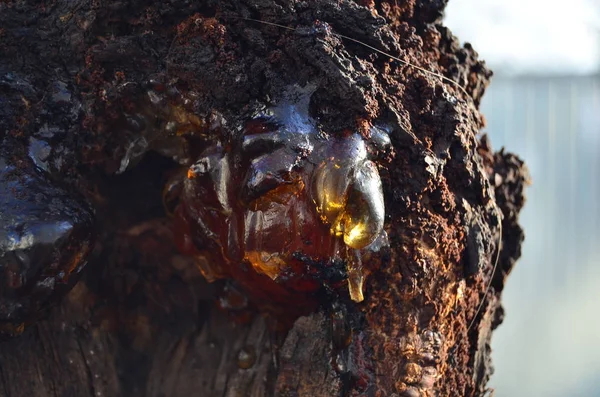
291	198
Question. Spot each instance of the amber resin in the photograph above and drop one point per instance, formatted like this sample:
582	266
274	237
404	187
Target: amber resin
280	207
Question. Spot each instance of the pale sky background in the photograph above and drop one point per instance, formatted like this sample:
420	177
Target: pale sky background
544	105
530	36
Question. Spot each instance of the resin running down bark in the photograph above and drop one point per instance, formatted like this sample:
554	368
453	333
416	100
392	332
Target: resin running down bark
342	202
284	197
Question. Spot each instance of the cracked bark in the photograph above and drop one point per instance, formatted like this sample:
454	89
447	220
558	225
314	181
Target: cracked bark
142	322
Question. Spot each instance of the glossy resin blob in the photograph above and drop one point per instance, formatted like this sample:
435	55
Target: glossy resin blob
283	208
45	237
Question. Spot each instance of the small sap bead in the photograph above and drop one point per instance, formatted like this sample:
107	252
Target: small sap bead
246	357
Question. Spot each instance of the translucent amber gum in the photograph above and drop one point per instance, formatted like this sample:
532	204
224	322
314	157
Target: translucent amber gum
283	197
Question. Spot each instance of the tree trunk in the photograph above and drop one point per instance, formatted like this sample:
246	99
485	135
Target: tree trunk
142	321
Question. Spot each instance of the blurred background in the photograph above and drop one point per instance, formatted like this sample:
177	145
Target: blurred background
544	105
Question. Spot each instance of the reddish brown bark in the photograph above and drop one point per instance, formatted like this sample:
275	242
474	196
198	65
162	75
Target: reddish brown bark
143	322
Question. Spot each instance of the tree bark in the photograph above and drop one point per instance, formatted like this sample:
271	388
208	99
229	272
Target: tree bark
142	321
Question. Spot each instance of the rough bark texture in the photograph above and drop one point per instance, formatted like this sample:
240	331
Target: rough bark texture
142	322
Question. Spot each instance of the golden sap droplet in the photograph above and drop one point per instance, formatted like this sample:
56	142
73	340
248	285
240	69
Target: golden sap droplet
355	276
334	175
330	186
362	219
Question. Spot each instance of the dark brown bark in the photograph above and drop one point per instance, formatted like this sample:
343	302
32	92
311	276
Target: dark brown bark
142	321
